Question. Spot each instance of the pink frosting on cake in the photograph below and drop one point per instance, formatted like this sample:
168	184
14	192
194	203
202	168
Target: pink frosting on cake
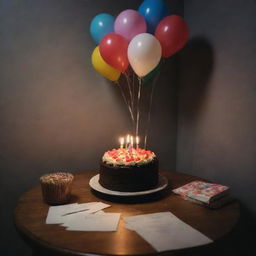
130	156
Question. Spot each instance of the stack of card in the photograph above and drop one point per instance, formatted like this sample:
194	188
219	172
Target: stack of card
208	194
164	231
83	217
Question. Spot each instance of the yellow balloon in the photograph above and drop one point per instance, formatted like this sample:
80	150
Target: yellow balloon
102	67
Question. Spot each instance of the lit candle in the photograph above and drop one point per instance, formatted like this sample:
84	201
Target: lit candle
137	142
127	140
132	141
121	142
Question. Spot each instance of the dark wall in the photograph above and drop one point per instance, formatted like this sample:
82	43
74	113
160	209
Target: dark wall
217	97
56	112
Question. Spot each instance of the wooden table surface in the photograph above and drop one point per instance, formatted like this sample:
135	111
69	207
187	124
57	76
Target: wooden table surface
31	212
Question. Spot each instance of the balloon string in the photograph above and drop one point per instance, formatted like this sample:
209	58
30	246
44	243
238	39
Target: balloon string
130	91
138	107
125	100
150	108
131	98
133	90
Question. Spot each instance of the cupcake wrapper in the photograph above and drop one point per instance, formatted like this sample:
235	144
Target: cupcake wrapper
55	194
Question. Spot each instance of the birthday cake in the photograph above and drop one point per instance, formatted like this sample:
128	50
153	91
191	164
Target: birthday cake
129	170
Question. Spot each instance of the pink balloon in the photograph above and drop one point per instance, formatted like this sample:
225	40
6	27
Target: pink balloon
130	23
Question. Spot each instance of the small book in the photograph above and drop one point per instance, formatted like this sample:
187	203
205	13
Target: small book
214	204
202	191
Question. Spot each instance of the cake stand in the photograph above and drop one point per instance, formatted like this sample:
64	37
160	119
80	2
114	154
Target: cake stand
94	184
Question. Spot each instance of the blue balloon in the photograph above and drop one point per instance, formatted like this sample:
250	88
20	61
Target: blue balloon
153	11
101	25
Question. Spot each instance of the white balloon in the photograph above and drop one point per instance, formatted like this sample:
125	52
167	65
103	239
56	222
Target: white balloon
144	53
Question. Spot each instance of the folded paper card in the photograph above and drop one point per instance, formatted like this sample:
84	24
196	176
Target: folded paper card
92	222
56	214
83	217
164	231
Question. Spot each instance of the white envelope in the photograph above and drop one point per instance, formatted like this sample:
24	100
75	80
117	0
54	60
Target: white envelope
93	222
56	213
164	231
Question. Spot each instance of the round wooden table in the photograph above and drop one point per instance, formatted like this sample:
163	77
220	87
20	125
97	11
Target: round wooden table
31	212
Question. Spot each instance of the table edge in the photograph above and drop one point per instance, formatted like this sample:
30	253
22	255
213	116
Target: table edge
25	233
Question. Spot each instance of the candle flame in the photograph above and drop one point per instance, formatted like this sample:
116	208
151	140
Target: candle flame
137	140
132	141
121	140
128	138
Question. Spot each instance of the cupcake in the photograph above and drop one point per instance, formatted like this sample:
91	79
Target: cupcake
56	187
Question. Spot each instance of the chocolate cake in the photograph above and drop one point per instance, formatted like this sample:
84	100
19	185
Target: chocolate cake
129	170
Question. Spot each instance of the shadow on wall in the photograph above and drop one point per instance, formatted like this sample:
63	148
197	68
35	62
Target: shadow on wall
195	66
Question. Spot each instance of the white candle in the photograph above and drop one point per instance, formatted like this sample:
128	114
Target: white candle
132	141
121	142
137	142
127	140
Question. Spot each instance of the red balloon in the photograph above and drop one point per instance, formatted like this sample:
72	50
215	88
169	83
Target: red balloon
113	49
172	33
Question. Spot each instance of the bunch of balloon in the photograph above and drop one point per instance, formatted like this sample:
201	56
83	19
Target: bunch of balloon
136	37
139	38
